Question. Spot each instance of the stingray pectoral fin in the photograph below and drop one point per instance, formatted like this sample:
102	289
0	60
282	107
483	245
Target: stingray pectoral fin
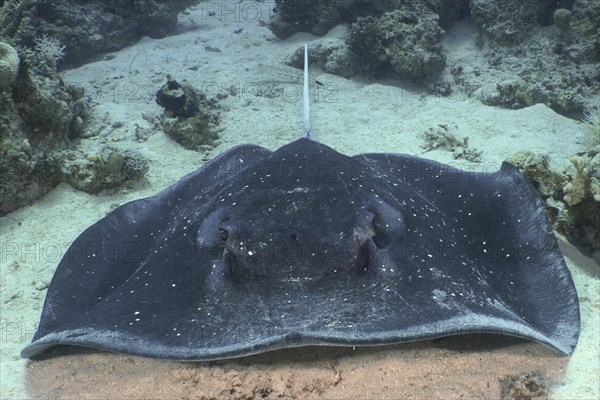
508	259
107	254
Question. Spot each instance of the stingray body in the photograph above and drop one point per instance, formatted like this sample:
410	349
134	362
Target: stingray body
259	250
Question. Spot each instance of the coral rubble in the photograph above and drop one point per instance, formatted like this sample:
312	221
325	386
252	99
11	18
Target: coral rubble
525	386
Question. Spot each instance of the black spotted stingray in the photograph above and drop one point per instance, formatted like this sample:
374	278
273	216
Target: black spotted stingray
260	250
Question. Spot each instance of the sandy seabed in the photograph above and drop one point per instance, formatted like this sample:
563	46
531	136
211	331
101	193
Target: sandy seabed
357	117
456	368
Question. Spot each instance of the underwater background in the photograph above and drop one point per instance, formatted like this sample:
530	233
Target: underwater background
90	119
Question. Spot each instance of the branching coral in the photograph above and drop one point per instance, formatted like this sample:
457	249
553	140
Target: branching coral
442	137
11	16
49	50
576	189
536	167
572	196
591	119
595	177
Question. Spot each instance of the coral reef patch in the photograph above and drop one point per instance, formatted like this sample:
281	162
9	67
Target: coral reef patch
39	116
563	35
42	120
572	195
88	27
406	38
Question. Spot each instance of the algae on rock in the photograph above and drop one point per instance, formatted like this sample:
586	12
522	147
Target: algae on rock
9	66
107	169
190	117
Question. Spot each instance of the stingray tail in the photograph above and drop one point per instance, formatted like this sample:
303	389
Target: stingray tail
307	131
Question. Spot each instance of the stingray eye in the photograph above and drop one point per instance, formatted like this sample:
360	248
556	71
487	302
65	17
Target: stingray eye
380	238
379	229
223	234
388	224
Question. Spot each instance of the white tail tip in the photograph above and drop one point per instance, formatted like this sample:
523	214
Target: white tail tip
307	131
